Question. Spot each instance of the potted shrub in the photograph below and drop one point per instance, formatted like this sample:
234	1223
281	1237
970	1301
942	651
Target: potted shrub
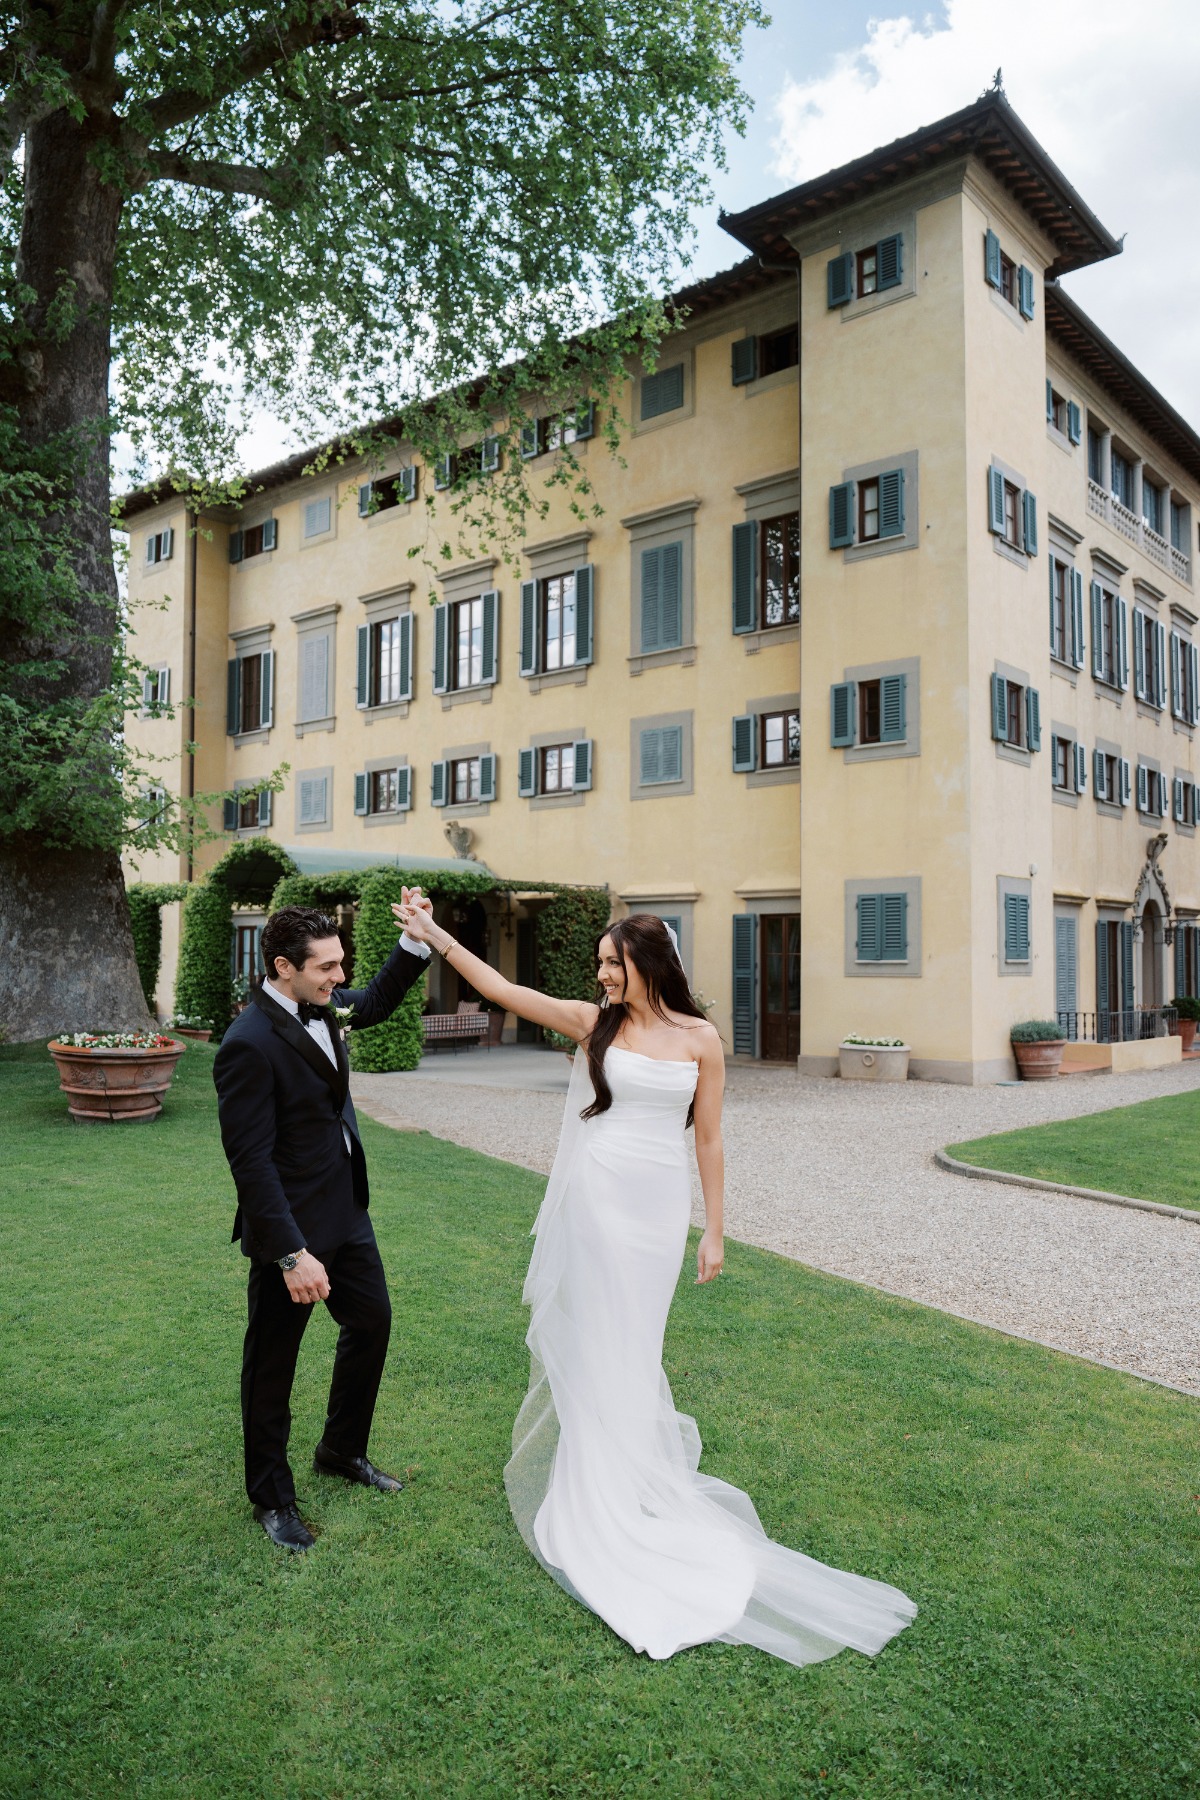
189	1025
873	1058
1038	1047
113	1076
1187	1008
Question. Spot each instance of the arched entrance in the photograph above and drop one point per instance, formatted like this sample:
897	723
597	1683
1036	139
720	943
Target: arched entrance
1151	987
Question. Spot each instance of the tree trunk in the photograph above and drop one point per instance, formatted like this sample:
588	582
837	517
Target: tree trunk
67	944
64	918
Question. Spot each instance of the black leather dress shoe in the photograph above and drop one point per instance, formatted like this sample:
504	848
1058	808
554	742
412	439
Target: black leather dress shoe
284	1526
356	1469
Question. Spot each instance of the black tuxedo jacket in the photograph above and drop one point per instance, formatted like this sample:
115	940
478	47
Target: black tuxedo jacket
282	1105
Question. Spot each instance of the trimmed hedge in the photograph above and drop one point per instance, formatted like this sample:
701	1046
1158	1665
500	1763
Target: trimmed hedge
567	932
396	1044
204	982
146	901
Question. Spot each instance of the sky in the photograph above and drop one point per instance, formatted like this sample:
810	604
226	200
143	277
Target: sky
1108	88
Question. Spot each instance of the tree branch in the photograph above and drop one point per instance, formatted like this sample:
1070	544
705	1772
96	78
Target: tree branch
279	187
322	24
98	72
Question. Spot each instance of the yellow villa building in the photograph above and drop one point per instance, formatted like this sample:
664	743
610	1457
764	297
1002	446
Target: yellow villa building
877	675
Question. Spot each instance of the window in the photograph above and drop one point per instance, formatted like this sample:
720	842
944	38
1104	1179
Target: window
249	695
1149	658
1109	652
558	621
252	541
385	790
779	570
662	598
1122	478
466	780
318	516
1153	506
160	546
871	711
1185	687
156	689
385	662
463	780
1151	792
1012	515
1012	512
1183	800
248	810
314	791
868	510
871	270
389	491
1095	447
1056	410
779	739
1013	282
882	928
1060	611
1062	764
557	770
557	429
867	271
1110	777
660	756
466	654
1016	909
662	392
1016	714
1179	527
1114	975
467	463
1008	279
245	950
778	350
465	642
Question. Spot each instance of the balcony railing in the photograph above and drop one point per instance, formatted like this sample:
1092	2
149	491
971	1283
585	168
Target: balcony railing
1156	548
1126	521
1123	519
1097	499
1181	565
1128	1026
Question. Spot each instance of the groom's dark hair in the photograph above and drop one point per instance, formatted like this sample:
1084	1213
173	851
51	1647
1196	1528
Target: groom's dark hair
290	932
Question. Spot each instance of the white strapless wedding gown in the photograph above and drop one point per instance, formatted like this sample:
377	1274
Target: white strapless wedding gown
604	1480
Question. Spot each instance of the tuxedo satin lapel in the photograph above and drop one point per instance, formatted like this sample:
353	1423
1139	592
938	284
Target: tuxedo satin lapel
292	1032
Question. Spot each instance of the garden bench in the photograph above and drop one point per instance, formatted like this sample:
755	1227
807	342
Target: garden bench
468	1025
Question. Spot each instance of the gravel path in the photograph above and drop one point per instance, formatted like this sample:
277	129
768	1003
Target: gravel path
839	1175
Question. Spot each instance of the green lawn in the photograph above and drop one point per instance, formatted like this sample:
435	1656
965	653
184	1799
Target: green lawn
1150	1151
1043	1512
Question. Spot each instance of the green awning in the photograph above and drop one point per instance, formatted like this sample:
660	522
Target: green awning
311	861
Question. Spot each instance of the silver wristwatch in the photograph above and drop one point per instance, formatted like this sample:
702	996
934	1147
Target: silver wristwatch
287	1263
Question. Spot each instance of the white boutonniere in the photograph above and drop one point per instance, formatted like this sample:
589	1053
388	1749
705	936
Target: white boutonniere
343	1015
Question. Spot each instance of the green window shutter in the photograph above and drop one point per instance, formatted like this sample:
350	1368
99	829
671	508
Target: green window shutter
1080	769
443	470
1065	964
487	778
1177	800
529	625
581	775
1052	564
841	515
842	714
148	695
745	360
672	753
991	260
651	600
1033	719
889	262
1016	928
1180	960
235	546
1049	401
363	680
1103	971
168	544
267	690
649	758
745	576
1076	619
529	439
1140	684
893	725
230	815
489	455
362	787
491	635
744	744
999	709
270	534
1074	422
265	798
1126	999
996	502
839	280
1143	788
1029	521
662	392
893	927
1098	771
526	774
232	697
1160	659
891	503
1122	644
404	789
671	598
1123	768
407	627
660	755
585	611
407	482
1097	593
1176	674
585	420
1193	710
364	499
868	946
1025	291
745	983
151	545
441	648
438	779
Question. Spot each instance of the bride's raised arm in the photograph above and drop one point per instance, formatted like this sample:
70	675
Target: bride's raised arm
573	1018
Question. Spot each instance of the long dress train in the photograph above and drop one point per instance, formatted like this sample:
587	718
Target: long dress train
604	1481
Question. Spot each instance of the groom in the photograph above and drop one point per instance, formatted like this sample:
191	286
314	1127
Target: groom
291	1137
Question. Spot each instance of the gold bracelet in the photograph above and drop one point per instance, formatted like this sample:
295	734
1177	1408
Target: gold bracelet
452	945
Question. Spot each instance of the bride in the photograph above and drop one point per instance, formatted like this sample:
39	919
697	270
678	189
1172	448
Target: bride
604	1480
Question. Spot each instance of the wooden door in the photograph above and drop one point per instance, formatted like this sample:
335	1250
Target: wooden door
779	959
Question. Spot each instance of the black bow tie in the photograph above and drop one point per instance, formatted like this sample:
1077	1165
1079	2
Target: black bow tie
309	1012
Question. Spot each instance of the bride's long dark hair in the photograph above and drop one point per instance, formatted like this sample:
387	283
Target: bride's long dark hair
643	940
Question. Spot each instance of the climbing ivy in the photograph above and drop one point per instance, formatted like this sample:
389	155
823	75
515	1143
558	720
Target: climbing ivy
248	873
146	900
567	932
396	1044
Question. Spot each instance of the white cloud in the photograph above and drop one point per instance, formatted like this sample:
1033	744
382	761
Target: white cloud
1110	92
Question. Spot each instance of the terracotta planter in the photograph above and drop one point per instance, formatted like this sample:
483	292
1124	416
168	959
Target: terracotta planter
186	1031
1039	1062
114	1085
1185	1029
495	1027
873	1062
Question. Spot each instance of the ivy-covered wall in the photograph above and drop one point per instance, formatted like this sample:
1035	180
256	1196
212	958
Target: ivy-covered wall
249	873
396	1044
146	901
567	933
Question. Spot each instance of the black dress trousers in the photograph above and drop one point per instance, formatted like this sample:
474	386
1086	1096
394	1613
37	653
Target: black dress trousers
358	1300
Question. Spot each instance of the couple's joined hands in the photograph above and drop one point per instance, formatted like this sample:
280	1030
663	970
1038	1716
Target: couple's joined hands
414	908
